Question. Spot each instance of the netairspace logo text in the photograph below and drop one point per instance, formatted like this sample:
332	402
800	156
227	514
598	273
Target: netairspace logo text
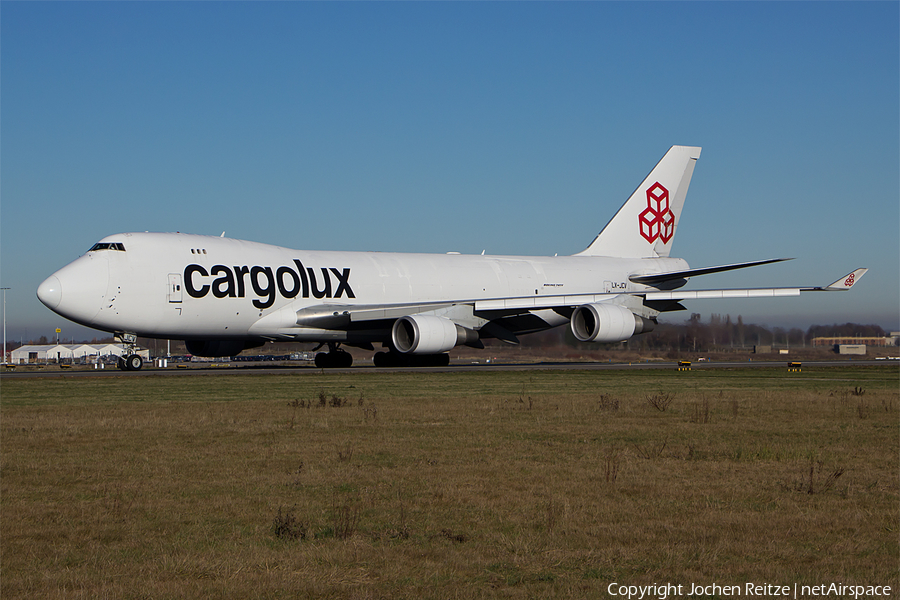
747	590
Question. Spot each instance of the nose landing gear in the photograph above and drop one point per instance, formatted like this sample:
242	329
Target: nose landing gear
131	360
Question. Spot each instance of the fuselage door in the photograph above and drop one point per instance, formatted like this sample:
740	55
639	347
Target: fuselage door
174	293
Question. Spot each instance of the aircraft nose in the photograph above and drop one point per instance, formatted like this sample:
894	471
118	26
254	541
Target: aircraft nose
50	292
85	281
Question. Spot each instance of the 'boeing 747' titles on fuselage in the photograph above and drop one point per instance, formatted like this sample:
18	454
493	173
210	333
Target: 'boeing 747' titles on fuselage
223	296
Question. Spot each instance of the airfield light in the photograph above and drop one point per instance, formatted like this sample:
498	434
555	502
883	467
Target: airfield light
4	323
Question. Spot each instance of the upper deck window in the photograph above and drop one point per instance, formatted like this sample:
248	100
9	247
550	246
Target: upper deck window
108	246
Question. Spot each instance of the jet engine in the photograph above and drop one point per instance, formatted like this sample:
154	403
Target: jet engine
607	323
218	348
426	334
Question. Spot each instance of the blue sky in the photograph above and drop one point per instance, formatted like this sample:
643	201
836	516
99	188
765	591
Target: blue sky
515	128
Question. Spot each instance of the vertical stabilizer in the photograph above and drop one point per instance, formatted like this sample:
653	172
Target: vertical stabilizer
645	225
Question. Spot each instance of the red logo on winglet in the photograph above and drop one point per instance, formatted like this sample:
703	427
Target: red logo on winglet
849	281
657	221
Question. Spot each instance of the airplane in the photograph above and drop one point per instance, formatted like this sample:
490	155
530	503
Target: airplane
223	296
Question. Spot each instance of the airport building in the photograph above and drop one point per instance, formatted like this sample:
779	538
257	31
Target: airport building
855	341
859	349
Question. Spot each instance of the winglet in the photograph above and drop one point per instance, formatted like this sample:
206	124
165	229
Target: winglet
846	282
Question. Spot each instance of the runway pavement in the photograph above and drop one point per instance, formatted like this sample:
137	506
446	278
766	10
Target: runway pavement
302	369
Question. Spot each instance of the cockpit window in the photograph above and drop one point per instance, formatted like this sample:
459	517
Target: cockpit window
108	246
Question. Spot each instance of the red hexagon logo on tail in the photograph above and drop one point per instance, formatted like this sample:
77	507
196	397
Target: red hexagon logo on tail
657	221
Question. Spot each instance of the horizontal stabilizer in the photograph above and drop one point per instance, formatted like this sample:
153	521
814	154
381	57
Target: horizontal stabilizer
663	277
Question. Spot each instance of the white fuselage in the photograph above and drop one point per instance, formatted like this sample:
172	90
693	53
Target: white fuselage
172	285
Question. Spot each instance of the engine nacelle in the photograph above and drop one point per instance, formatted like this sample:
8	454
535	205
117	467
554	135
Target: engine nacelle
219	348
606	323
427	334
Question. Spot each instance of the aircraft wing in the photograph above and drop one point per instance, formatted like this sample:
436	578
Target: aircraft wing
504	318
338	315
842	284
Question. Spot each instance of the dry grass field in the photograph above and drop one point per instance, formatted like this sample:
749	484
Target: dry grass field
447	485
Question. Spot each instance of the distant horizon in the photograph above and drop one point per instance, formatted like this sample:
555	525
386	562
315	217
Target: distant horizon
705	319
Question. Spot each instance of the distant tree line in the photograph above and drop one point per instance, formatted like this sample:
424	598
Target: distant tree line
719	333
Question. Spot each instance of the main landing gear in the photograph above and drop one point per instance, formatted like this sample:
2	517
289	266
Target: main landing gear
335	358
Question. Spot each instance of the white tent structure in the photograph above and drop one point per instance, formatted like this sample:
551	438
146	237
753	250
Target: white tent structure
68	352
31	354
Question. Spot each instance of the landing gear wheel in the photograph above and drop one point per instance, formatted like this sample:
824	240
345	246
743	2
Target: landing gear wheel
134	362
121	364
338	359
